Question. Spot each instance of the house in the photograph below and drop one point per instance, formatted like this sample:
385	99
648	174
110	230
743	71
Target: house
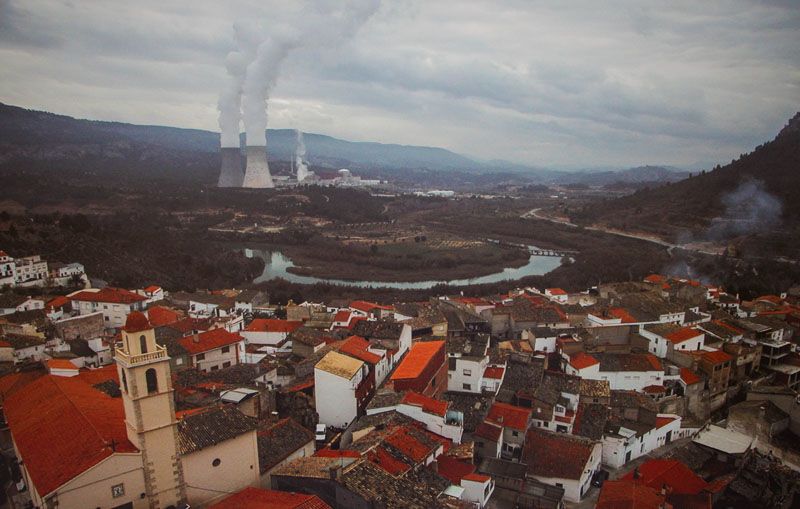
212	350
65	274
626	440
271	333
115	304
370	309
281	443
716	366
628	371
219	453
513	485
341	389
307	341
12	303
376	358
562	460
255	498
467	361
422	370
152	293
252	302
30	271
514	422
395	337
675	479
7	266
26	347
632	494
62	367
434	414
557	295
664	338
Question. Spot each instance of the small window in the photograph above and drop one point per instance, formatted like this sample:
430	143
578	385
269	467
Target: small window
152	380
118	490
143	343
467	372
466	387
200	356
216	462
226	364
515	433
226	349
214	368
179	361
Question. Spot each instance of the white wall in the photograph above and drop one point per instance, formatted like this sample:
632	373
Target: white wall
335	398
468	371
216	358
433	423
627	380
572	487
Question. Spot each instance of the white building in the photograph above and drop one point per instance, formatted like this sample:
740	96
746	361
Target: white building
627	444
664	338
6	270
10	304
115	304
62	274
213	349
152	293
478	488
30	271
562	460
434	414
271	333
627	371
339	389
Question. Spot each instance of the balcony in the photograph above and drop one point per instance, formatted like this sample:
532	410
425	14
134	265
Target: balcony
159	353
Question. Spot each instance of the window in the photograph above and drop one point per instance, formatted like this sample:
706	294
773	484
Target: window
179	361
466	387
117	490
546	424
226	349
226	364
143	343
515	433
466	372
200	357
214	368
152	380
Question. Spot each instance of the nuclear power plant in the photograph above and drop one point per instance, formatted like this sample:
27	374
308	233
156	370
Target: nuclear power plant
256	175
232	174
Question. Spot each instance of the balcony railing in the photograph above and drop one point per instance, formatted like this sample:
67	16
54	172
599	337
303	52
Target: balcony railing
159	353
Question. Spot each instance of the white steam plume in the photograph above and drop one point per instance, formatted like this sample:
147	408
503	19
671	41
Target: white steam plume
748	209
323	23
299	157
247	38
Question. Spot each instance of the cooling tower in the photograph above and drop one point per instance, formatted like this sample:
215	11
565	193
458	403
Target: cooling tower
231	174
257	173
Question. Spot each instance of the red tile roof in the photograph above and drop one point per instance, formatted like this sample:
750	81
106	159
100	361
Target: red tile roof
683	334
689	377
100	375
580	360
428	405
622	314
108	294
209	340
356	346
452	469
556	291
62	427
257	498
57	302
273	325
342	315
11	383
327	452
655	389
402	440
137	322
716	356
489	431
477	478
556	454
657	472
663	421
414	363
629	495
381	457
61	364
655	278
160	316
152	289
509	416
366	306
494	372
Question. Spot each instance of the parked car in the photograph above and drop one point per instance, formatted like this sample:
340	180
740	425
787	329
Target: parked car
599	477
321	434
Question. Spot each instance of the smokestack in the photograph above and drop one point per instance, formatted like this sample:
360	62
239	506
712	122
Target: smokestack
231	174
257	174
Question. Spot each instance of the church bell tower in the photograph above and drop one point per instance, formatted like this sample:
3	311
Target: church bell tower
146	385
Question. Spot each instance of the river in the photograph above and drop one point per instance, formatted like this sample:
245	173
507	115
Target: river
277	265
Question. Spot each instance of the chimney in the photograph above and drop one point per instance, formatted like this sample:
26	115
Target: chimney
195	338
636	474
231	174
257	174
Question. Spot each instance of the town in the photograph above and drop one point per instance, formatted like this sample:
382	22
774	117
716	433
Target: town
662	393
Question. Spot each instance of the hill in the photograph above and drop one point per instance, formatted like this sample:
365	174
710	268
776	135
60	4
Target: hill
753	197
30	136
633	176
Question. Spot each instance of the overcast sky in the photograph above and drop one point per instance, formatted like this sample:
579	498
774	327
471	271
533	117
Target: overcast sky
554	84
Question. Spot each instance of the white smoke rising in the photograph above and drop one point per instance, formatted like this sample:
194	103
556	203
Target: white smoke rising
299	157
748	209
230	99
322	24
